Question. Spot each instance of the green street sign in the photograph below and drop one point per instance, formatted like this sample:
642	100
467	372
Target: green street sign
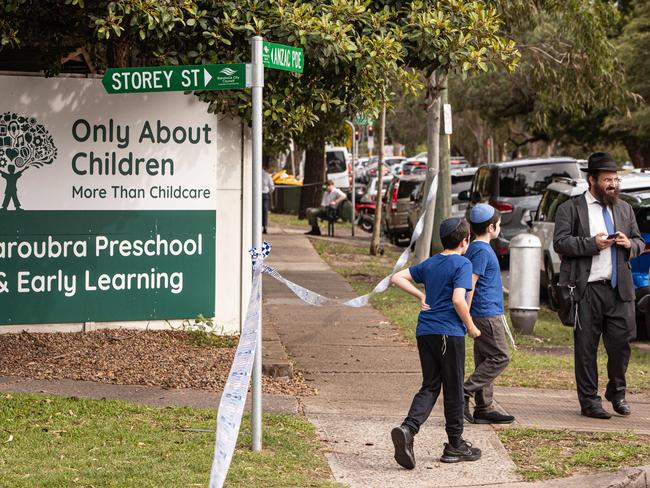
287	58
361	120
175	78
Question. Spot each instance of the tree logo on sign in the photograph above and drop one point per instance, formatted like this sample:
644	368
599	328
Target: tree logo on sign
24	143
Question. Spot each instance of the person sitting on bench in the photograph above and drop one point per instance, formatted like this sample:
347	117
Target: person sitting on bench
331	198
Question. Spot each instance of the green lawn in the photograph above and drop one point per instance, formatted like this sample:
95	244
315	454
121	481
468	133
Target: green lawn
291	220
543	454
544	360
65	442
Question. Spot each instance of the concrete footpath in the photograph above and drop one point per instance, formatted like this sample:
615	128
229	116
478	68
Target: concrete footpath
366	375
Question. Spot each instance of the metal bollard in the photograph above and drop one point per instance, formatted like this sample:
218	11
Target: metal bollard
523	302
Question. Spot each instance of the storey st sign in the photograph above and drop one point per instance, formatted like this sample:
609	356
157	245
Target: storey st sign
175	78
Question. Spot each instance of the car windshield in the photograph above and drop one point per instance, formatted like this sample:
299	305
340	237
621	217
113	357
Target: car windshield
336	162
522	181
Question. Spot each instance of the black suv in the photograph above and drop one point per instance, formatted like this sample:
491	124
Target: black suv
515	188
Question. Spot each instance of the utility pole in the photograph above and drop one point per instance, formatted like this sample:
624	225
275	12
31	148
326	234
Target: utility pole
423	244
443	197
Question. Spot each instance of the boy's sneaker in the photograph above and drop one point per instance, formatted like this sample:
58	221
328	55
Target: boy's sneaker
403	442
464	452
492	417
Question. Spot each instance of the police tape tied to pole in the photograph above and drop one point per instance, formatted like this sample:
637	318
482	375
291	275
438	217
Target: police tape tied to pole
231	406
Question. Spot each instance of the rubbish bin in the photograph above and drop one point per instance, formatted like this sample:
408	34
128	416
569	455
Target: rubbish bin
523	302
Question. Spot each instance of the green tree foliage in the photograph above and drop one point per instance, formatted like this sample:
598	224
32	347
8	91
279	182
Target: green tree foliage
568	72
633	127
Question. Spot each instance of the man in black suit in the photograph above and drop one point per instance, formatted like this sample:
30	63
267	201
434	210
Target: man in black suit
597	234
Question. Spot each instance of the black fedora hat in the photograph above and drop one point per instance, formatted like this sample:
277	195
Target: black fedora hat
600	161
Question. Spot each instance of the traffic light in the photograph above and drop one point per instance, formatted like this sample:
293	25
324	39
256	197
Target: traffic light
357	134
371	131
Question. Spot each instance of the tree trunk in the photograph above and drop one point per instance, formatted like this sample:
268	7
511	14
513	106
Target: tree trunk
315	175
443	197
639	153
423	244
376	231
118	53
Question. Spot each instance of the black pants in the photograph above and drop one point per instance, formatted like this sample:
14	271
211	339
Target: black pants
603	313
443	365
266	203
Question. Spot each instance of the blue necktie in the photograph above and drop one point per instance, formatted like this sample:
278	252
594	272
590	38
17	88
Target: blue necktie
610	230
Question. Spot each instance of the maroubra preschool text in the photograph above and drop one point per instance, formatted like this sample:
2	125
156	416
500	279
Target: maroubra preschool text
96	246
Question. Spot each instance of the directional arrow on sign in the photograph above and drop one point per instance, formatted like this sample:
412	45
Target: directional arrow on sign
206	77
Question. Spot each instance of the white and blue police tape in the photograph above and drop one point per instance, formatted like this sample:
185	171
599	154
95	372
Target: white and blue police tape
233	399
231	406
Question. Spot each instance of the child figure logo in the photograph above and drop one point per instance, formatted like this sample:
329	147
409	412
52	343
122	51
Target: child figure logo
24	143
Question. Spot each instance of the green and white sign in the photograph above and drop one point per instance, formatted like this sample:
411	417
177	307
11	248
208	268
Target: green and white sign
279	56
108	204
175	78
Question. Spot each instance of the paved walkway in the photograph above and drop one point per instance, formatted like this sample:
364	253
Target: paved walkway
366	375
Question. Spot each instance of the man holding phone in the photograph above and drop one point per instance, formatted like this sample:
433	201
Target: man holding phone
596	234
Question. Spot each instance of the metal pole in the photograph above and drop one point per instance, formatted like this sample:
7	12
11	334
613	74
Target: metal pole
257	86
354	161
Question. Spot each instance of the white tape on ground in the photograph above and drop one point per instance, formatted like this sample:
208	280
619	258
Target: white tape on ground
233	399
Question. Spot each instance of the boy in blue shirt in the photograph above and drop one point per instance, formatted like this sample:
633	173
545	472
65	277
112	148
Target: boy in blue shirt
444	318
491	354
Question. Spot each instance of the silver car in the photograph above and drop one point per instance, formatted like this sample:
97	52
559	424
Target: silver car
515	188
542	220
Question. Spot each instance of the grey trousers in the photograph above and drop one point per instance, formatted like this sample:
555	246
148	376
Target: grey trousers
602	312
491	357
313	213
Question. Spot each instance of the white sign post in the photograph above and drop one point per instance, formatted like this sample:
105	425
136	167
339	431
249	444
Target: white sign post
446	109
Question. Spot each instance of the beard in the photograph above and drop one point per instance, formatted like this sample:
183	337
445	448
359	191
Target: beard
603	196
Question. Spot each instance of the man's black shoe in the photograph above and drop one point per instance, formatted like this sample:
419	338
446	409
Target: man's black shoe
464	452
403	442
492	417
313	232
621	407
467	413
596	412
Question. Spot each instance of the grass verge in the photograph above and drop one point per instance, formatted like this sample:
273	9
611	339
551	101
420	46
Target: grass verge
544	360
291	220
543	454
65	442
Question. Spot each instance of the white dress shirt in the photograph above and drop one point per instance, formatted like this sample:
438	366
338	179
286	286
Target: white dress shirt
267	183
601	263
330	196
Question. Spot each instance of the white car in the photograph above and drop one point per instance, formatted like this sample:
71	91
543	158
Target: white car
542	220
339	167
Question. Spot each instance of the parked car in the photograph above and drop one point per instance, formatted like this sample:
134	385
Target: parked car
635	189
371	189
339	167
458	162
414	167
395	208
371	171
461	180
515	188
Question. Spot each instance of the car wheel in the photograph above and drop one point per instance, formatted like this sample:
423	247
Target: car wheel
551	285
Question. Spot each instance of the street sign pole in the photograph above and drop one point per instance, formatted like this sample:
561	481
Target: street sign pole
257	86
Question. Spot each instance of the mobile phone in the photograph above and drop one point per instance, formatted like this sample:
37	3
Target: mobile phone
613	236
